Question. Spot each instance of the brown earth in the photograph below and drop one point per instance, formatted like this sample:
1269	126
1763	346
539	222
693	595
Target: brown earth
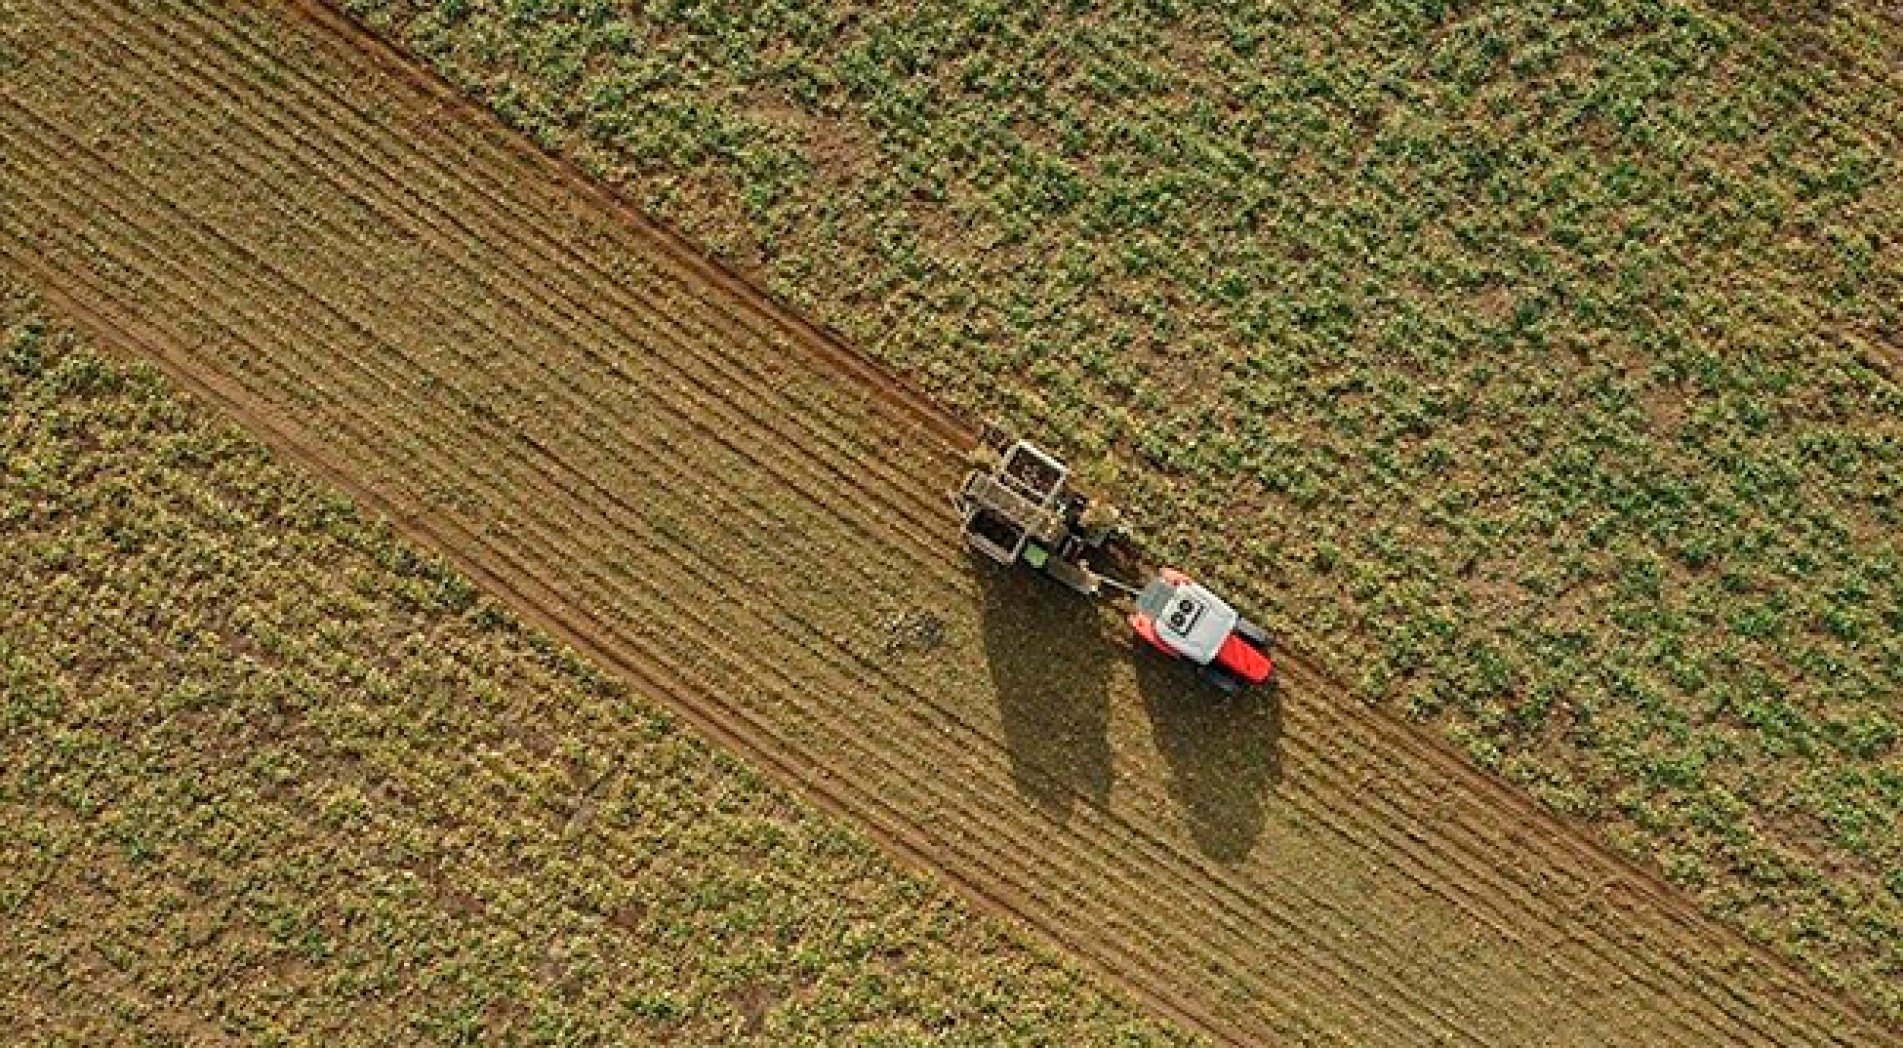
718	503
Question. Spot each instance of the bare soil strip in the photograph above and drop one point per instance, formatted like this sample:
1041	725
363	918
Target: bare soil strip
721	504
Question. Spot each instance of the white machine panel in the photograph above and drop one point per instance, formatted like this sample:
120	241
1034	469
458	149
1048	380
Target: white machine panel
1195	622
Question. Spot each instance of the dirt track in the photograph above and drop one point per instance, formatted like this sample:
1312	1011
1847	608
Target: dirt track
747	522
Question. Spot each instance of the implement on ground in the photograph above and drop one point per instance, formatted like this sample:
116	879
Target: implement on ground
1018	507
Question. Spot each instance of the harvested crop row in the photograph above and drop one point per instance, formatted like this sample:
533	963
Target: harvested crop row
271	777
1533	364
653	464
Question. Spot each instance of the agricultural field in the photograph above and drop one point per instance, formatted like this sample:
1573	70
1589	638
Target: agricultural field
731	516
1534	366
269	776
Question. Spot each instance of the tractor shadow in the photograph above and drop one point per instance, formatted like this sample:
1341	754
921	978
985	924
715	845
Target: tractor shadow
1224	751
1050	663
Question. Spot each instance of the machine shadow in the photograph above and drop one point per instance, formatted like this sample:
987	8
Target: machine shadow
1224	751
1051	665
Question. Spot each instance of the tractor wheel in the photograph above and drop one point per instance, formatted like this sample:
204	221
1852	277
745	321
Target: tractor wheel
1252	633
1224	681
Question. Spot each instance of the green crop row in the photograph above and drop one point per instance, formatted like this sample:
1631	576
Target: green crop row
1533	362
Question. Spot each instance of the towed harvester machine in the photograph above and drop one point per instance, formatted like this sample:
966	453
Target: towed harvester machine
1017	507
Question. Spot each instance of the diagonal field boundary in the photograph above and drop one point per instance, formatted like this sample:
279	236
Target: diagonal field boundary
716	501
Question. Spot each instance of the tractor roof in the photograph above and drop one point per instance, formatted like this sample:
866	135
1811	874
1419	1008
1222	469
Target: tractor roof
1188	617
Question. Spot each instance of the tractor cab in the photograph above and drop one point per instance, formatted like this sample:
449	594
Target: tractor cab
1181	617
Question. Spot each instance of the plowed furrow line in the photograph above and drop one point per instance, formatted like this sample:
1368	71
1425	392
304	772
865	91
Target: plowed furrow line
1178	856
346	399
569	514
1026	847
731	726
504	150
701	397
980	831
1671	981
704	402
583	284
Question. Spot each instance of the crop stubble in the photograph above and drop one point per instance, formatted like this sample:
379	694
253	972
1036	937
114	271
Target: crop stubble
723	507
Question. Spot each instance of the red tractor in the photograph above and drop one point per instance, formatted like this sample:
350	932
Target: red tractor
1183	618
1017	508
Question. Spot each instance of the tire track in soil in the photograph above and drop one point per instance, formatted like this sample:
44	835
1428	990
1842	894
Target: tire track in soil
981	832
1721	1007
1374	976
